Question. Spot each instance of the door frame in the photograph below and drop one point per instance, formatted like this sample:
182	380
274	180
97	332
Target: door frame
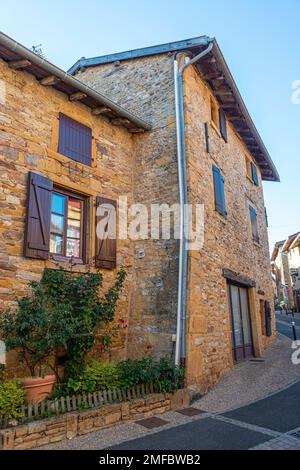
234	347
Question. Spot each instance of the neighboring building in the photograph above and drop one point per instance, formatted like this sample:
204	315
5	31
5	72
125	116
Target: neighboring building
227	315
285	262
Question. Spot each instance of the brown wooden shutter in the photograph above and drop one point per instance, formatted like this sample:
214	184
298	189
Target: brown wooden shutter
106	248
223	125
75	140
37	234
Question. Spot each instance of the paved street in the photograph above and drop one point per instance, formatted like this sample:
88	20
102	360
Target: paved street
265	424
254	406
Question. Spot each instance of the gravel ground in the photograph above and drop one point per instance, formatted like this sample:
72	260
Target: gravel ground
250	381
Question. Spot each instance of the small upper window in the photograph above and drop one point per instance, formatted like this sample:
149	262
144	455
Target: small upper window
75	140
214	114
248	167
220	201
66	229
254	225
254	174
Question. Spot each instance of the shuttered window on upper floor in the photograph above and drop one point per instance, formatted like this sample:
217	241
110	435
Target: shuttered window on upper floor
254	224
75	140
58	225
219	189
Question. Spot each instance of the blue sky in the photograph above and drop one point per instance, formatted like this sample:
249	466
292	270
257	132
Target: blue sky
260	40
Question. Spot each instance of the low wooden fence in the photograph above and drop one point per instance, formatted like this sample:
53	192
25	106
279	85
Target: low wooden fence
48	408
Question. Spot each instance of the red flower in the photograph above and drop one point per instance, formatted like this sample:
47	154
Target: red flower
149	346
121	320
125	326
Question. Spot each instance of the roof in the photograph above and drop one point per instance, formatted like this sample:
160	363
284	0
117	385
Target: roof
215	71
19	57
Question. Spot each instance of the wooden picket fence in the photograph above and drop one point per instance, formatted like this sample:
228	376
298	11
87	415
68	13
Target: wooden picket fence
48	408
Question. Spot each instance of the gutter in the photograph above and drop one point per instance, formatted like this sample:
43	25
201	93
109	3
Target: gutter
180	348
65	77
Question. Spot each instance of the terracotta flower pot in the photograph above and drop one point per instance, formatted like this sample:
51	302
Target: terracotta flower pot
38	388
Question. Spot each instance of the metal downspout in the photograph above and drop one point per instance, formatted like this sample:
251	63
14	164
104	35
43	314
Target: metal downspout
183	199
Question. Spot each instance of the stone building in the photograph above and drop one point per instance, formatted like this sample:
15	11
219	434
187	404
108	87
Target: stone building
211	306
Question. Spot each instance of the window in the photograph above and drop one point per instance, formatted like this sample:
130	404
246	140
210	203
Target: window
220	202
66	227
218	118
251	171
214	113
248	167
223	124
254	226
57	225
75	140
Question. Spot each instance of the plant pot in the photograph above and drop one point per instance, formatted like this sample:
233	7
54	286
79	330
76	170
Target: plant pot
38	388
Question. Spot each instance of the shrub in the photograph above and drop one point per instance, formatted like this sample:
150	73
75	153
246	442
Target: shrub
164	374
95	377
11	399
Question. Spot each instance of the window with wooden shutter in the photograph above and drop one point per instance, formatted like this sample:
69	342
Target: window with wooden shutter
254	174
254	225
106	244
37	234
223	124
75	140
219	189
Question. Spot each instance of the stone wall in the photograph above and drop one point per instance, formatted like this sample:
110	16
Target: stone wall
228	242
146	87
28	142
70	425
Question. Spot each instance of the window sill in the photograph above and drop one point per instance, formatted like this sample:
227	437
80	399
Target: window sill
65	259
256	242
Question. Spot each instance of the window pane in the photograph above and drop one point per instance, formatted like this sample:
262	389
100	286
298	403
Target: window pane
74	209
73	248
57	223
58	204
56	244
73	229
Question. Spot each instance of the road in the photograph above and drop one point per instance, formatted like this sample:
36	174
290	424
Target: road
284	327
270	423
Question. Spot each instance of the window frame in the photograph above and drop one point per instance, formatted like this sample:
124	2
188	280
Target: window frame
67	194
214	113
217	173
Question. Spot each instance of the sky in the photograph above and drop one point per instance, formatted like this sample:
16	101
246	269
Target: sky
260	40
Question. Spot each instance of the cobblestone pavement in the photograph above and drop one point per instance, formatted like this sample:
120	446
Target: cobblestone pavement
256	406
